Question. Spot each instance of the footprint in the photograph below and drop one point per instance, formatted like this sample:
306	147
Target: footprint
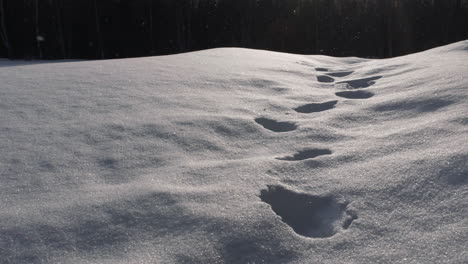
316	107
308	215
276	126
321	69
361	83
325	79
306	154
339	74
355	94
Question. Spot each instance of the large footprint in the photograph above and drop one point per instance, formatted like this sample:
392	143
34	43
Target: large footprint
276	126
316	107
309	215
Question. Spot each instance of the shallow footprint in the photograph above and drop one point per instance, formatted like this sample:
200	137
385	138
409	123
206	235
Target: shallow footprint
339	74
276	126
316	107
355	94
361	83
306	154
325	79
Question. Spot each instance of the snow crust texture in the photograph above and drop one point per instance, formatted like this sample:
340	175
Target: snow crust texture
236	156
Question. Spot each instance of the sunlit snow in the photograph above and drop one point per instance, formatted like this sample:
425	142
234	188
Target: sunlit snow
235	156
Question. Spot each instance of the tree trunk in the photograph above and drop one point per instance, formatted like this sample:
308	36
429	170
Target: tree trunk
3	31
98	30
316	29
38	36
390	30
151	26
188	31
61	39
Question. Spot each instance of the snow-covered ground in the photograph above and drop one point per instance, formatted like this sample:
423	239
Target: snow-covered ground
236	156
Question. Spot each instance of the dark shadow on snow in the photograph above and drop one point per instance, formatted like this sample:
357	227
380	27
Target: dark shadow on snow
340	74
325	79
316	107
306	154
361	83
308	215
276	126
355	94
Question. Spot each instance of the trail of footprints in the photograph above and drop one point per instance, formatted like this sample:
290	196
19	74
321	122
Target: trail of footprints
325	77
309	215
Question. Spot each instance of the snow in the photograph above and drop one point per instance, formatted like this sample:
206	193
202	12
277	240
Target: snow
236	156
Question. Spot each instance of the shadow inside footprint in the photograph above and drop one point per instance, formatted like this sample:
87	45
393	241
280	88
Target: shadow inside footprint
339	74
321	69
355	94
325	79
308	215
316	107
276	126
306	154
361	83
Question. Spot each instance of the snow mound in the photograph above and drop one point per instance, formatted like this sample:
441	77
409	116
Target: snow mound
235	156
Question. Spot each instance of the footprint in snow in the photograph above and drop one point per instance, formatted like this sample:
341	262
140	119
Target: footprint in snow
306	154
361	83
316	107
309	215
321	69
328	76
355	94
276	126
340	74
325	79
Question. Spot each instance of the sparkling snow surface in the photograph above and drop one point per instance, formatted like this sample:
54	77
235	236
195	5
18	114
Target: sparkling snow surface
236	156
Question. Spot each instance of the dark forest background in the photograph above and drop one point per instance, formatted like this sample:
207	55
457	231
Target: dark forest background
101	29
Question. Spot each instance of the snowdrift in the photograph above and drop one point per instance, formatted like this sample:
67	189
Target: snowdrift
236	156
